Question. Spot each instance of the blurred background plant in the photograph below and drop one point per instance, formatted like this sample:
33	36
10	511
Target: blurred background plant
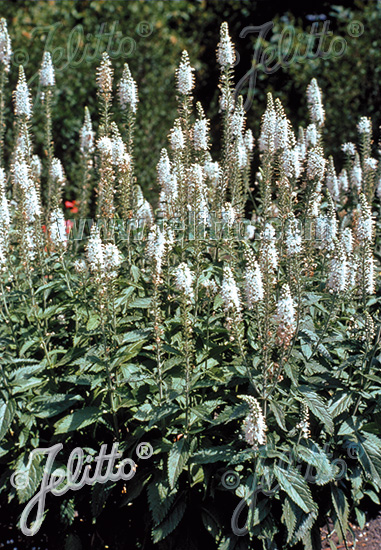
150	36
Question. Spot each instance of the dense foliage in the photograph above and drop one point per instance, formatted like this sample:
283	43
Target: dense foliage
240	348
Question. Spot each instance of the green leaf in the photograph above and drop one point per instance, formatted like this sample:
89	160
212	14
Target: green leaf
214	454
341	507
137	335
318	407
279	414
160	499
177	459
295	487
77	420
142	303
28	475
289	518
47	406
171	522
340	404
7	413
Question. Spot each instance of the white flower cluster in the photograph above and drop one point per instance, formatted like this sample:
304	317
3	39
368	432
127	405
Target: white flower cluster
5	221
104	75
266	140
316	164
349	149
57	228
332	181
343	181
365	223
176	137
212	171
103	260
253	281
47	77
254	426
339	271
167	181
184	279
87	135
21	95
23	180
326	230
36	166
57	173
364	125
304	424
184	75
225	50
200	135
293	237
159	243
5	45
229	292
128	90
285	317
229	215
268	252
311	135
315	104
119	155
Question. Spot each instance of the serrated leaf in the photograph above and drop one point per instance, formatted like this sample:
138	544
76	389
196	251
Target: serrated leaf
77	420
170	523
341	507
289	518
7	413
160	499
47	406
177	459
318	407
28	475
295	487
214	454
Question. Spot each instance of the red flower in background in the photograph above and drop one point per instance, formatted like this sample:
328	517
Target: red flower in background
69	224
71	205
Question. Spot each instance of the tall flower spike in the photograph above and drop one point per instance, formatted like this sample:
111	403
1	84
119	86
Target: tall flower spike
47	76
5	218
225	50
253	281
267	137
339	271
184	75
229	292
293	237
104	75
176	137
200	134
184	279
285	318
113	260
315	103
21	96
87	135
365	224
268	254
332	182
58	234
128	90
95	251
254	426
5	46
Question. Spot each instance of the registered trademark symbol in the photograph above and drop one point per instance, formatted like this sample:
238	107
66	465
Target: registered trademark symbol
355	29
